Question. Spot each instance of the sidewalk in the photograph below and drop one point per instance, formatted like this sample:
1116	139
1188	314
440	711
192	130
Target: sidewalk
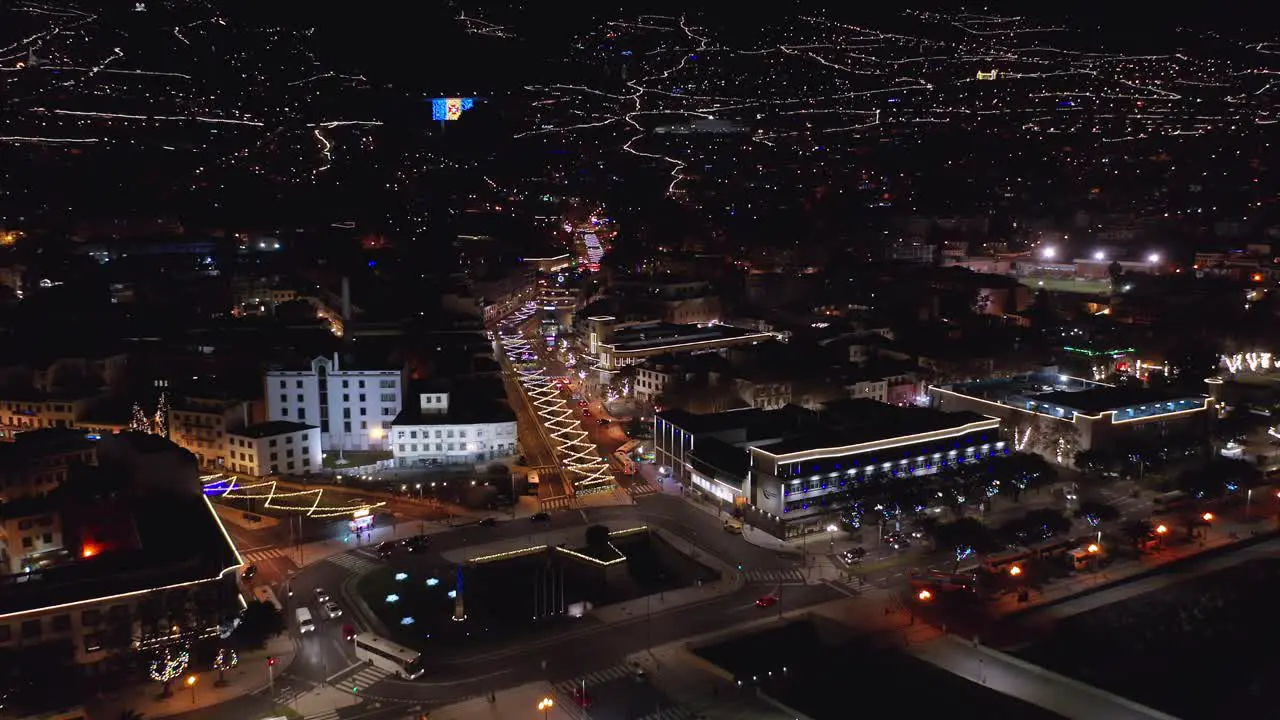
516	702
250	676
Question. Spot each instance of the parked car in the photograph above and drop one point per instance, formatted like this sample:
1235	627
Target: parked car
767	601
417	543
488	522
385	549
540	517
322	595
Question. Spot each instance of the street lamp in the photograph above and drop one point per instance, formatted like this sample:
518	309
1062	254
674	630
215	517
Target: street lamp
545	705
1015	570
191	683
376	434
924	595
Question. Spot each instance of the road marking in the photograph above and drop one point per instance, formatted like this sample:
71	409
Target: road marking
344	670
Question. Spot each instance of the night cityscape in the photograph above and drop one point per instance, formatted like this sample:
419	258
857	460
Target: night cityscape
582	363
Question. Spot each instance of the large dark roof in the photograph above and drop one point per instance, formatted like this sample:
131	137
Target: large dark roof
181	542
839	423
471	400
1101	399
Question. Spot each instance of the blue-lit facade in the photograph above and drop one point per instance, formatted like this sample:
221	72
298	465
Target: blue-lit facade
789	482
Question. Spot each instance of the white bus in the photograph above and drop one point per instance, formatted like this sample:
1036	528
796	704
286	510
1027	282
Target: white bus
383	653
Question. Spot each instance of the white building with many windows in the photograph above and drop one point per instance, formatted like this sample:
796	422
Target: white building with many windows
274	448
352	407
447	428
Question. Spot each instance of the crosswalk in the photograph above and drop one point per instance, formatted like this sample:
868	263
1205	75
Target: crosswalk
592	679
257	556
790	576
562	502
642	488
365	677
356	561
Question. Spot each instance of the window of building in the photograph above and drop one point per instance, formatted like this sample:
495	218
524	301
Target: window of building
388	397
346	384
31	629
362	397
5	634
346	426
282	385
386	383
272	442
284	397
346	397
361	384
298	385
61	623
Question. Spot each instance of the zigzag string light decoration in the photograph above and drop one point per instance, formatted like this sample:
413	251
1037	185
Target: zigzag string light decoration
301	501
576	452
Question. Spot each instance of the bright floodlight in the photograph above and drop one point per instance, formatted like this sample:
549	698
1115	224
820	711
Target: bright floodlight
1099	255
1153	258
1049	252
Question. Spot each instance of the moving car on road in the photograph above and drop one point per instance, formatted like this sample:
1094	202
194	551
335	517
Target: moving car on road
767	601
332	611
488	522
540	517
305	623
322	595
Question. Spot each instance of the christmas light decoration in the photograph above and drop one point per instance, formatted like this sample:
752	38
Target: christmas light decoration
227	487
138	422
563	423
169	665
225	659
160	426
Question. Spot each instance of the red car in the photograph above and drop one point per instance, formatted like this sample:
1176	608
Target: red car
767	601
583	403
581	697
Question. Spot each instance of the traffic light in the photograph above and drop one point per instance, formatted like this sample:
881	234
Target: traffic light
271	661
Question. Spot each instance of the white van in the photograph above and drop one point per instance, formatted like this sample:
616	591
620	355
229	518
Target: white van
305	624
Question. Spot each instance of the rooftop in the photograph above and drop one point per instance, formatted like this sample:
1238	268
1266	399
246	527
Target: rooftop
841	423
1054	394
653	335
45	441
471	400
271	429
179	541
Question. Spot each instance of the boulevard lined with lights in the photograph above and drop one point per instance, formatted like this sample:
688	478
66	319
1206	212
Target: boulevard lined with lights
562	422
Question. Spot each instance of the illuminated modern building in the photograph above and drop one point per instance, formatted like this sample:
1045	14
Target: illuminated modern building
793	471
124	556
1058	416
353	407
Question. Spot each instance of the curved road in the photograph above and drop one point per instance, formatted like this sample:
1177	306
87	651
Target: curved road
594	645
